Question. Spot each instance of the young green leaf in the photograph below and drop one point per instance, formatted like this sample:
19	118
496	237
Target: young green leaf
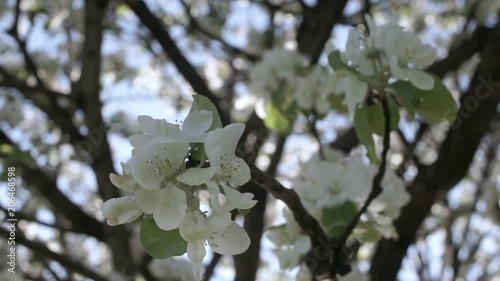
433	106
203	103
336	101
276	120
364	130
198	152
377	120
335	219
336	62
161	244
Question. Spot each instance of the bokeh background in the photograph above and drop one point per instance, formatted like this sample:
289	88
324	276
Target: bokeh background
74	76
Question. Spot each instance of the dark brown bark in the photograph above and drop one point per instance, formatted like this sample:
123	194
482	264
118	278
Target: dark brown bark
455	156
88	89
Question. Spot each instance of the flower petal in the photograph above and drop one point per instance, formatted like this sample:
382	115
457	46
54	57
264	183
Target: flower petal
143	171
195	176
287	257
226	138
140	140
238	200
355	92
421	79
172	210
148	200
174	152
197	122
396	70
219	221
120	210
231	241
198	271
157	127
242	174
195	226
196	250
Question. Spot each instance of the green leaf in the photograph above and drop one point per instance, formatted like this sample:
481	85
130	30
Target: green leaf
336	101
159	243
335	219
276	120
203	103
336	62
364	130
377	120
198	152
433	106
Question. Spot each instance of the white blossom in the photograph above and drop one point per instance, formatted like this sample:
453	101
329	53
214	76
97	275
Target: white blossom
120	210
225	167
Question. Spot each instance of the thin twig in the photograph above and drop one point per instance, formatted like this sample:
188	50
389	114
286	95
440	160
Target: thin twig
213	36
377	180
13	31
65	261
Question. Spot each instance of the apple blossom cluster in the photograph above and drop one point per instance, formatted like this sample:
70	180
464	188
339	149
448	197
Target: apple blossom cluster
388	51
285	78
166	183
332	190
369	61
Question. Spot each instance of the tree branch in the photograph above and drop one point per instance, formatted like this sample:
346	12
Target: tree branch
88	89
189	73
205	31
455	156
46	103
13	31
317	26
308	223
65	261
377	180
247	263
33	176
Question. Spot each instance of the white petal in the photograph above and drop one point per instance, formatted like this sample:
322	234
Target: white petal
143	171
303	244
172	210
195	226
219	221
355	92
125	182
197	122
120	210
238	171
140	140
231	241
195	176
157	163
239	200
421	79
287	257
149	200
196	250
226	139
198	271
157	127
396	70
164	149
